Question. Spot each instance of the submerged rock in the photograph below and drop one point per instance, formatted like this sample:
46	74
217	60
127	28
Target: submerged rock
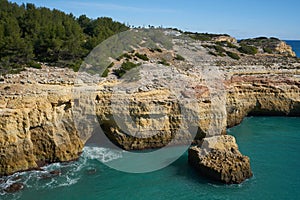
91	171
218	157
15	187
55	172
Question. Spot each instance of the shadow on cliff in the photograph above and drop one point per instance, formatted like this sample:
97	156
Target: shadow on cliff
99	139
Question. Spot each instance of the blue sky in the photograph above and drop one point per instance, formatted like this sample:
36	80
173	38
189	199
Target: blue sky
239	18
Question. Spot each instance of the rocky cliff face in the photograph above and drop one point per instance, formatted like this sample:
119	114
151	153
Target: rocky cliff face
258	93
284	48
42	119
35	128
225	39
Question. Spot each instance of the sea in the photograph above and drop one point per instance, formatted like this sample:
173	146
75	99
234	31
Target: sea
295	44
272	143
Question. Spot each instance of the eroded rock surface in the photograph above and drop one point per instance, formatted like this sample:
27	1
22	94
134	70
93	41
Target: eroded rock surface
36	129
218	157
42	119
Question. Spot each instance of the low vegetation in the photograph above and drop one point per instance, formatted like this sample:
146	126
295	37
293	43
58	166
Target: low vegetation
143	57
179	57
213	53
105	73
126	66
158	50
246	49
268	45
203	36
34	65
227	44
267	50
164	62
111	65
219	49
124	55
233	55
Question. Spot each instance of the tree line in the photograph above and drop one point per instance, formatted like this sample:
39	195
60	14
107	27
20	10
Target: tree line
30	34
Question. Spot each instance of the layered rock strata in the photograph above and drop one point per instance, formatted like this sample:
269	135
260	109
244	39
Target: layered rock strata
36	128
218	158
42	119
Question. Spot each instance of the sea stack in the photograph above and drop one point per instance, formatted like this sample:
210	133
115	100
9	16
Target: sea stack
218	158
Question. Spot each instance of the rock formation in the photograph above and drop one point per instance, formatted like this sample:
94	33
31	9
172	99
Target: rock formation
283	48
218	157
36	128
270	45
256	93
15	187
225	38
195	94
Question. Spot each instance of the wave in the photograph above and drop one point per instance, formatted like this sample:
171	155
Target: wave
102	154
59	174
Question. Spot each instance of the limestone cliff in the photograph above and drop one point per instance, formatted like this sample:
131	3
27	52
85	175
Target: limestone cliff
284	48
274	94
196	94
35	128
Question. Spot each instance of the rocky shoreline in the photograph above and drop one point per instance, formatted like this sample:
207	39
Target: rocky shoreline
218	158
37	106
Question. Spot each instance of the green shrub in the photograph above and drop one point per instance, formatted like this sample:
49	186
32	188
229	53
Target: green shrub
119	72
199	36
203	36
126	66
164	62
158	50
207	46
142	56
111	65
212	53
248	49
124	55
226	44
230	45
179	57
75	66
105	73
34	65
155	49
233	55
267	50
219	49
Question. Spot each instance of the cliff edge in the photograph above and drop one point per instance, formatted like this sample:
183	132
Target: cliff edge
227	81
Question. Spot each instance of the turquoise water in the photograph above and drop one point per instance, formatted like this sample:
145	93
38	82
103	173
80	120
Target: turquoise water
272	143
295	45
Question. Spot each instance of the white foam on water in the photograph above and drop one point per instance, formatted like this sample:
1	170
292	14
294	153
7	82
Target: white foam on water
70	173
102	154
